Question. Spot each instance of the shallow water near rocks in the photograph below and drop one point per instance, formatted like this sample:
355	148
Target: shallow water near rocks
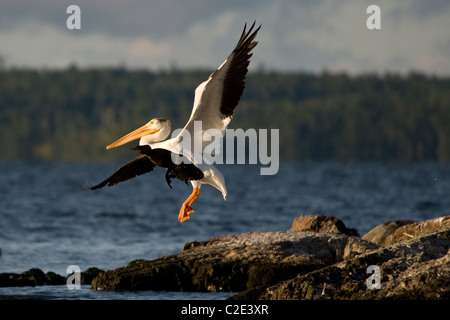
48	220
85	293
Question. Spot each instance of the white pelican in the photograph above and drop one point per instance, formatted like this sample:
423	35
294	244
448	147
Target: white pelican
214	104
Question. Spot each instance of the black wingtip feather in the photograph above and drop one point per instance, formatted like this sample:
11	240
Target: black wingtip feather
132	169
235	79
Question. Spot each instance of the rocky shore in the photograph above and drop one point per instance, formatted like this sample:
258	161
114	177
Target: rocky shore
318	258
37	277
413	259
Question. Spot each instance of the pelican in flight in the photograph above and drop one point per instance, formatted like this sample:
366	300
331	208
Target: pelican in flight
214	104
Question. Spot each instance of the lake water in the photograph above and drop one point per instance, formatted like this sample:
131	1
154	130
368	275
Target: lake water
48	220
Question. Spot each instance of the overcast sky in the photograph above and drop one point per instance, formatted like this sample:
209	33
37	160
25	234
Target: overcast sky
296	35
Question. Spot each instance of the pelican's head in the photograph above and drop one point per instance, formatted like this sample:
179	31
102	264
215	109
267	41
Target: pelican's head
153	131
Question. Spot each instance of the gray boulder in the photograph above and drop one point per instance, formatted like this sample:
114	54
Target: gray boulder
416	265
321	224
236	262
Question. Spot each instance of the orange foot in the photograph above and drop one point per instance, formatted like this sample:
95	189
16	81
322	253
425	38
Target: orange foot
189	210
185	211
186	208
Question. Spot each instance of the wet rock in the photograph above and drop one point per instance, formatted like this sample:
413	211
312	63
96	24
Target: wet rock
52	278
231	263
89	274
36	277
320	223
32	277
416	267
14	280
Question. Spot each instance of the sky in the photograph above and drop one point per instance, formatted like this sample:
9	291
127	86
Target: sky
296	35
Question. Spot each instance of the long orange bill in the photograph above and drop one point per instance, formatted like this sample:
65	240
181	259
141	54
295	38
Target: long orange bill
136	134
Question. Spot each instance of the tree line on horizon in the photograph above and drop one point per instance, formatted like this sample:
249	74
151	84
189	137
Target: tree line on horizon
72	114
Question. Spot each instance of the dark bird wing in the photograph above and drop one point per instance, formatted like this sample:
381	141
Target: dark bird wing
146	162
216	98
132	169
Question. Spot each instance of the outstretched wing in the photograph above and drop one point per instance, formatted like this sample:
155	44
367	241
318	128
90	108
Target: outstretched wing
216	98
146	162
132	169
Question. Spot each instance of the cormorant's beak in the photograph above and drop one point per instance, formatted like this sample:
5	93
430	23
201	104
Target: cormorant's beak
145	149
136	134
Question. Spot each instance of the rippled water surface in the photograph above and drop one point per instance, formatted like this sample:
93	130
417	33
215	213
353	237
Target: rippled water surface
48	220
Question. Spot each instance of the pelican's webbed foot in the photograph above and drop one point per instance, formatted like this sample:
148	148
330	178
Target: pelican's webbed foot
186	208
